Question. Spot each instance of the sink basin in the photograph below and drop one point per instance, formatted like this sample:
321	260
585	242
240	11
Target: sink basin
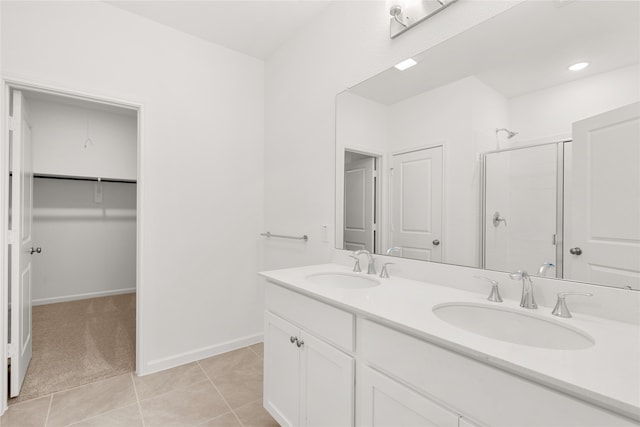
514	326
343	280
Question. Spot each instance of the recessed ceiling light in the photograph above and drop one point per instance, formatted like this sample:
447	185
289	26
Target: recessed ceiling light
579	66
407	63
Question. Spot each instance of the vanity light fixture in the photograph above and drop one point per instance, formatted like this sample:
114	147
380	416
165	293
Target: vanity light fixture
407	63
407	13
579	66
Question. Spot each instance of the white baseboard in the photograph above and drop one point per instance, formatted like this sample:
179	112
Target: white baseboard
76	297
202	353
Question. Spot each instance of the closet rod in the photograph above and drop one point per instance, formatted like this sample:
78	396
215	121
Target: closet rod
84	178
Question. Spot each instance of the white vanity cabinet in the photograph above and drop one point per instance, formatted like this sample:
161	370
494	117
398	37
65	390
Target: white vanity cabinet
481	394
308	380
384	402
330	366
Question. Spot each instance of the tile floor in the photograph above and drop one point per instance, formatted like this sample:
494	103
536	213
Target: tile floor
222	391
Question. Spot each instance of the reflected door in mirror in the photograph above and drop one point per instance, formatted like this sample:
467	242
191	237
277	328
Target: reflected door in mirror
416	203
603	245
359	202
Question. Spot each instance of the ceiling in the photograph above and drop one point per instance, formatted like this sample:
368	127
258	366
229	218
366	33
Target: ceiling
254	27
522	50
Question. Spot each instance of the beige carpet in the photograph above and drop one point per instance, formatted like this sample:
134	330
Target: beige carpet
79	342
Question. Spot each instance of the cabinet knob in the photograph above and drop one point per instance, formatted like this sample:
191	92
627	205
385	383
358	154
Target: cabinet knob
575	251
293	339
299	343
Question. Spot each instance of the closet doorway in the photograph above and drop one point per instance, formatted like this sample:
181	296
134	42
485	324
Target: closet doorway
72	228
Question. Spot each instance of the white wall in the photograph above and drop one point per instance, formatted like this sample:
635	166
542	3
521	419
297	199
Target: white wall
347	44
88	248
201	162
550	112
361	125
60	132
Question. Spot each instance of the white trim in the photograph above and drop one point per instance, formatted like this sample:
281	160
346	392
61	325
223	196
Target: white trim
161	364
30	85
76	297
4	241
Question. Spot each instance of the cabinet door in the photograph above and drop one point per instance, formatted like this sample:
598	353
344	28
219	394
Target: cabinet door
281	371
382	402
327	384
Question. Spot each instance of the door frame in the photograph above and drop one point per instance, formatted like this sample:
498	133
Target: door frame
339	211
7	84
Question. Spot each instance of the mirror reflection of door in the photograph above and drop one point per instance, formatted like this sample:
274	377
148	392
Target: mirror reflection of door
603	243
521	190
416	204
360	190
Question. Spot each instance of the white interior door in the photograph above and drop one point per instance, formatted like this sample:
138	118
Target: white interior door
359	204
21	242
603	245
416	204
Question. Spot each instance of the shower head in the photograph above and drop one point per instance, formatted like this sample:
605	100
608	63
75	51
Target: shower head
510	134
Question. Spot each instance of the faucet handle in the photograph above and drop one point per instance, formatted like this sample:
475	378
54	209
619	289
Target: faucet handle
494	296
384	274
561	309
356	266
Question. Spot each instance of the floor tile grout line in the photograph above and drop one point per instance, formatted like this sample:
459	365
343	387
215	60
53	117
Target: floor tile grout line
72	388
46	420
204	380
214	418
220	393
254	352
135	390
106	412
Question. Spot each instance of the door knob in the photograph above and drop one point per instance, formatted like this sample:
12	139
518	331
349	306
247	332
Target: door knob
35	250
497	219
575	251
436	242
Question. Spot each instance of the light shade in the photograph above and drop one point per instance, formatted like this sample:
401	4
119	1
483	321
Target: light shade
579	66
407	63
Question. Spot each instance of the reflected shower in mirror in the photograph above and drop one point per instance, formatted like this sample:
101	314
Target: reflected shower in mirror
496	155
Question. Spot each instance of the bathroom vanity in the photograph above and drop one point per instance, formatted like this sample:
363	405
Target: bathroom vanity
345	349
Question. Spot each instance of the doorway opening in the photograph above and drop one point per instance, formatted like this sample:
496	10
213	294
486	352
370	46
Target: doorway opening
72	201
361	201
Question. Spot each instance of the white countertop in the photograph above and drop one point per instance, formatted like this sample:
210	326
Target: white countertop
606	374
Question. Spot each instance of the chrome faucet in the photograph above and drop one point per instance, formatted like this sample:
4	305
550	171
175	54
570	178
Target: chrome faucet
527	300
542	271
356	266
384	273
494	296
371	268
561	309
392	250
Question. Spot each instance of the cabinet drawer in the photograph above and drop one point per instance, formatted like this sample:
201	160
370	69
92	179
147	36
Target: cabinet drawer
472	388
323	320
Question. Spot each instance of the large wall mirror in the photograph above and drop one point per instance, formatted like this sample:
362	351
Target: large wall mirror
491	153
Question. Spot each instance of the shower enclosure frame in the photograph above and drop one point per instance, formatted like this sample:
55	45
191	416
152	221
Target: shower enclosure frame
561	146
